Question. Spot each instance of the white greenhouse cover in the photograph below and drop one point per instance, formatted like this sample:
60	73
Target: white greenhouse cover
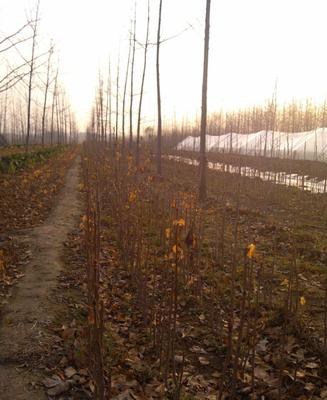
310	145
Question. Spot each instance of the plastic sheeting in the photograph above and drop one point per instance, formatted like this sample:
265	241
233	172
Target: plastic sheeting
310	145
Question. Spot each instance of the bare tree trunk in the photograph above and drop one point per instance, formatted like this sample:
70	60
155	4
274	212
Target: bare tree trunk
101	108
57	119
132	85
35	125
117	99
274	121
3	130
159	133
66	124
124	97
63	118
109	99
47	84
31	73
108	104
142	89
203	161
53	106
14	128
22	120
70	127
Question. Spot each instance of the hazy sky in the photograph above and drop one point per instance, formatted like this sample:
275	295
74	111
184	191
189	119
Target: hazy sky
252	43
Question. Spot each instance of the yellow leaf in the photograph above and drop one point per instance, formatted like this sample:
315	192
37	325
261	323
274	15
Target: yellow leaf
132	197
168	230
302	300
190	281
251	250
179	250
179	222
285	282
83	223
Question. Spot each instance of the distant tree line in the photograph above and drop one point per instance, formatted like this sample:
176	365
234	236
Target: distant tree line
34	108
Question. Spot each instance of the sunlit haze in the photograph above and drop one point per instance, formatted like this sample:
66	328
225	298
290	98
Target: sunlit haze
253	44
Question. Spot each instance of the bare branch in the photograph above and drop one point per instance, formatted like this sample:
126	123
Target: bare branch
15	34
8	79
12	82
15	44
166	39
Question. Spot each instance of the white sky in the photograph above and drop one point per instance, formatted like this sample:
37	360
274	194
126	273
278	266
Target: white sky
252	43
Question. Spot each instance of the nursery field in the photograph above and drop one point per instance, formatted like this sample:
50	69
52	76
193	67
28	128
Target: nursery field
189	301
28	182
146	293
19	148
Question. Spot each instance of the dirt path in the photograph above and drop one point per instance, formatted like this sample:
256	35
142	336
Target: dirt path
23	336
